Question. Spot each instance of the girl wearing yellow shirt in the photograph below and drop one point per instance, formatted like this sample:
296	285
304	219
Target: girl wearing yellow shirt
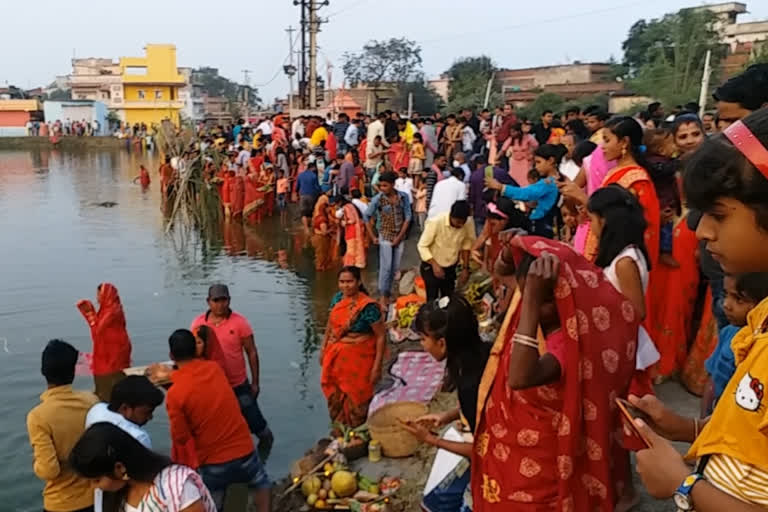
726	185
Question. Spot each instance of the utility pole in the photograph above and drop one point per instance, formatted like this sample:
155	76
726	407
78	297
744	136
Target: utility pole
705	83
246	90
291	70
313	27
303	60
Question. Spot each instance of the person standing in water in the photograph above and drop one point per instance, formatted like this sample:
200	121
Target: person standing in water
235	337
111	344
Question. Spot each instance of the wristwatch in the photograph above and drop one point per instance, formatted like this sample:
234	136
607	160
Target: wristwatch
682	495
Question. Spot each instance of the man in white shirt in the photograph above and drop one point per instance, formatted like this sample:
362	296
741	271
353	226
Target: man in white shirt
376	128
266	127
447	192
460	161
130	407
298	127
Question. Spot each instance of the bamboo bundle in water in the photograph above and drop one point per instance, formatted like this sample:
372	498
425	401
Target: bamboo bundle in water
195	202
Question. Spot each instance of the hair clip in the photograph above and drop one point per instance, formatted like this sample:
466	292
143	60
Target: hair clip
443	302
642	148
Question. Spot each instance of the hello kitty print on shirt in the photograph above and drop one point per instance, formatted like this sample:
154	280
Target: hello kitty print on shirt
749	393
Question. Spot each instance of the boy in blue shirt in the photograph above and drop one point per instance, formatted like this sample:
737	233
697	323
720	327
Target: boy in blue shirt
742	293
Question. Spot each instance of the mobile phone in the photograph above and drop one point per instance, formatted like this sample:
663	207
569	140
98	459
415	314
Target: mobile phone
630	412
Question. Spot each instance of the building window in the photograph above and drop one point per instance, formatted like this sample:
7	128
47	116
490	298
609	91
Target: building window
173	94
141	94
158	94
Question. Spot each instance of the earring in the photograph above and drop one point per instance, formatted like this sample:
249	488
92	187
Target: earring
125	476
623	152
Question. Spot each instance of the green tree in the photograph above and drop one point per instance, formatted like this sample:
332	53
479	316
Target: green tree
469	81
665	57
59	95
425	98
544	101
214	84
759	54
396	60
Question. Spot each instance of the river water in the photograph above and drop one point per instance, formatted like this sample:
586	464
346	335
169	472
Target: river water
58	243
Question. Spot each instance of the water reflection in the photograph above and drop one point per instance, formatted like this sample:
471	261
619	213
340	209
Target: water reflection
60	243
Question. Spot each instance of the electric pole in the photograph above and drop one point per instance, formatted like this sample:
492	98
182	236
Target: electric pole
313	27
246	91
290	70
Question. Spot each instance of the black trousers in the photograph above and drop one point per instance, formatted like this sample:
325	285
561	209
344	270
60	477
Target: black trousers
437	287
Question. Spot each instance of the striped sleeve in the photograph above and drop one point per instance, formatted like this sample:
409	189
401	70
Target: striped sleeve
743	481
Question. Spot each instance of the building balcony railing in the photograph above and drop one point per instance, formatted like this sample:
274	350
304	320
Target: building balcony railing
92	80
153	104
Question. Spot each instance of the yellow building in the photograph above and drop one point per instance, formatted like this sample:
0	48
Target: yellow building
151	86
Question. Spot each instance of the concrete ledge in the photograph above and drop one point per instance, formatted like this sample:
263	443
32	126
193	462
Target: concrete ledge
106	142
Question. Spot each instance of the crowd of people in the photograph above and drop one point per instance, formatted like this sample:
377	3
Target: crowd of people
623	251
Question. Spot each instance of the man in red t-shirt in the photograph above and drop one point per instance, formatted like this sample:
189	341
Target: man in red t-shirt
202	408
236	339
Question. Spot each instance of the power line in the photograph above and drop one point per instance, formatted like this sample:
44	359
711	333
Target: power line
353	5
539	22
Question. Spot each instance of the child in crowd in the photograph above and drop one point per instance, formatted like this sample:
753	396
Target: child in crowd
533	177
282	194
420	206
570	222
662	167
418	156
742	293
404	183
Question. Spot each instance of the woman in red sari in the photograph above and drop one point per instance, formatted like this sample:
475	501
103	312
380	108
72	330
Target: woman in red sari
352	351
547	429
111	344
677	289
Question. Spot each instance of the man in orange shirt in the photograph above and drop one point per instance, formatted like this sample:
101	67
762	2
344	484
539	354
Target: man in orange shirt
203	407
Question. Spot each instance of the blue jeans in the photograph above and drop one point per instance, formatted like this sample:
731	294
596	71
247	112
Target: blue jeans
389	264
245	470
250	409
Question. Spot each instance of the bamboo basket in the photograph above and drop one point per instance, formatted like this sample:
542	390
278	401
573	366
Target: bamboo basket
384	427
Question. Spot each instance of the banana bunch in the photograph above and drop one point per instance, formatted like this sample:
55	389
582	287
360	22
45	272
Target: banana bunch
475	291
406	315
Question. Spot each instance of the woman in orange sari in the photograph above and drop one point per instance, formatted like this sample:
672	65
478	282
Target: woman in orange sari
354	235
677	289
321	238
547	429
111	344
352	351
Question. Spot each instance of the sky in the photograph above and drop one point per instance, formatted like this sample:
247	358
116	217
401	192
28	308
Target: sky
234	36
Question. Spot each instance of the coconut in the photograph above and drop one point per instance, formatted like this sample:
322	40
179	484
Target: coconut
344	483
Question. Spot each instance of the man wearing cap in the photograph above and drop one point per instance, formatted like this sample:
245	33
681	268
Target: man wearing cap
235	338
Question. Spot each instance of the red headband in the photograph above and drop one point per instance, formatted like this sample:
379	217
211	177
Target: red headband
749	146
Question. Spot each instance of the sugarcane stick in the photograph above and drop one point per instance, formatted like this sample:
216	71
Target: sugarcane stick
309	473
